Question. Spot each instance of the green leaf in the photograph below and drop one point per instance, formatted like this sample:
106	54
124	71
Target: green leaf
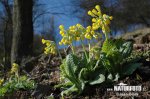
130	68
110	77
19	85
107	45
99	79
23	78
83	75
64	85
126	49
138	77
106	62
70	71
71	67
116	77
3	91
69	90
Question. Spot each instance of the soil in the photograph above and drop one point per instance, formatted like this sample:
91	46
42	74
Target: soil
46	82
46	73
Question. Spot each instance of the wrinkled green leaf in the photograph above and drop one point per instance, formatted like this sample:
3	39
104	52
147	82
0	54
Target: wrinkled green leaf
69	90
99	79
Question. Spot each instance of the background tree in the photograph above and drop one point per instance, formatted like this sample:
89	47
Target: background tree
6	30
22	30
49	31
6	27
127	13
137	11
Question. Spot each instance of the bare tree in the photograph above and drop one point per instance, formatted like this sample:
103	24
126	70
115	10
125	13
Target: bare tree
22	30
126	13
6	29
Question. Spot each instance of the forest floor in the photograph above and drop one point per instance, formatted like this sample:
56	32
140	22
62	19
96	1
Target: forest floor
48	76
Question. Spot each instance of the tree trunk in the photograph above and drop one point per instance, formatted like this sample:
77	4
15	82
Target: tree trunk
7	32
22	30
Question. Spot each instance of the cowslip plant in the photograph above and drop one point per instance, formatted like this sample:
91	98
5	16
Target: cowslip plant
15	82
96	65
78	72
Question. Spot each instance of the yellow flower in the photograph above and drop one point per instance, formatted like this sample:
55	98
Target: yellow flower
60	43
96	25
45	48
61	27
92	32
72	28
63	40
99	21
89	28
98	8
91	14
95	12
107	22
77	38
111	17
62	33
94	20
50	45
1	81
104	16
88	36
43	41
14	68
79	25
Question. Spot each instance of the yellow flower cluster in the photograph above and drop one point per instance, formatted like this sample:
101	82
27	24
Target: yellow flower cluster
90	33
78	32
100	20
1	81
74	33
14	68
50	47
